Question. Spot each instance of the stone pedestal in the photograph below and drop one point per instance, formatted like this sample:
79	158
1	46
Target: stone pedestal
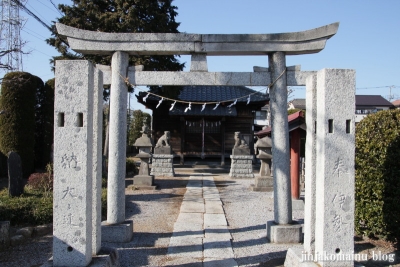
263	184
162	165
121	232
288	233
241	166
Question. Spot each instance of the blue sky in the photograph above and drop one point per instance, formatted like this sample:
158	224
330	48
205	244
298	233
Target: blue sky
368	39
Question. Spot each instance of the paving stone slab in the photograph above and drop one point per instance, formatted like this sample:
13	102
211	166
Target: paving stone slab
184	262
214	219
189	218
180	246
192	206
217	232
215	262
214	206
215	248
182	229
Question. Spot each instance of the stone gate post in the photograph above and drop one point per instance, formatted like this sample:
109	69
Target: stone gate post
73	158
335	147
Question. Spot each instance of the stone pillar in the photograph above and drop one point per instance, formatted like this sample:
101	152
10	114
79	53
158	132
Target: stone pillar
280	140
73	142
97	159
335	146
294	163
309	199
117	147
116	229
282	229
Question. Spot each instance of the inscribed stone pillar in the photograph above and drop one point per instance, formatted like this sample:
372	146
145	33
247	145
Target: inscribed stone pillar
73	141
334	230
280	140
309	209
97	158
117	147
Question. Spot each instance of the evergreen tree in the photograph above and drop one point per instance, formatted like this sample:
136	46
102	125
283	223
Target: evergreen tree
128	16
138	118
17	119
44	122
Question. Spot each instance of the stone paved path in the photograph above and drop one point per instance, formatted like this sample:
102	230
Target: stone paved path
201	236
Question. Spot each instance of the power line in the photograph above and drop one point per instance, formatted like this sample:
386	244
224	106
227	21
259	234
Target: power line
51	8
39	15
32	14
32	33
51	1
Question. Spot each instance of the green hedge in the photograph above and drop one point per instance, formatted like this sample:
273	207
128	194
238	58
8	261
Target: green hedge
377	180
17	123
32	208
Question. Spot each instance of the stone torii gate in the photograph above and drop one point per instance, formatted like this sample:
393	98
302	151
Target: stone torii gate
76	150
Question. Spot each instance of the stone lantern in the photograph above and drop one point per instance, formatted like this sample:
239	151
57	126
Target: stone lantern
264	182
144	143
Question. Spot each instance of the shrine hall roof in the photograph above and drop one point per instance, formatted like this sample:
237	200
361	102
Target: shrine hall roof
220	93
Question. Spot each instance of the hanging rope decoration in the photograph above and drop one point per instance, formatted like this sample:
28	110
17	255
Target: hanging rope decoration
203	107
234	103
126	80
189	107
172	106
159	102
145	98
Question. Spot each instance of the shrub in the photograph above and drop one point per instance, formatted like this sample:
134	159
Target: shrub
32	208
130	166
41	182
377	173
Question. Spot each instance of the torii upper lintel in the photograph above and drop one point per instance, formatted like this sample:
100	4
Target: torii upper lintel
293	43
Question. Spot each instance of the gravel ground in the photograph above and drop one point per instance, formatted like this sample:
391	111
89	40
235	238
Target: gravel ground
247	213
155	212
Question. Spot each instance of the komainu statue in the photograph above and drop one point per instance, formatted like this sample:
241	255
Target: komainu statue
164	140
239	141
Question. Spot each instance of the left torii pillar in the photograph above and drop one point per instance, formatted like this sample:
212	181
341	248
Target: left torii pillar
282	229
116	228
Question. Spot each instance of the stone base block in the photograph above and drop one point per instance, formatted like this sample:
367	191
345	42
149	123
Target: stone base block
296	257
263	184
107	257
288	233
142	187
261	189
162	165
241	166
297	204
143	180
117	233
